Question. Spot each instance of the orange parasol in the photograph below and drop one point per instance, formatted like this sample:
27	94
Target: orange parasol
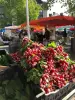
36	27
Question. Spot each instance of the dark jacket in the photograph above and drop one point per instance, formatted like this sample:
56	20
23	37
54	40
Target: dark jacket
64	33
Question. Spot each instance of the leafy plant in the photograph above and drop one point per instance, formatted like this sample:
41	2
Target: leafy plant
15	11
52	44
33	76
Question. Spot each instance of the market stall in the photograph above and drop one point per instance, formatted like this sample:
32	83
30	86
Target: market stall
11	31
47	69
39	72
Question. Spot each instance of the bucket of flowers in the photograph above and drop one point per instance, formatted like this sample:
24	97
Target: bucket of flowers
49	67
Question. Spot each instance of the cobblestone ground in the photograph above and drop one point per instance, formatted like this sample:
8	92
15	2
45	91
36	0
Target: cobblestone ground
72	97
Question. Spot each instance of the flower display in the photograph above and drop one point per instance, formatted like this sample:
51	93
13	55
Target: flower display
49	66
16	56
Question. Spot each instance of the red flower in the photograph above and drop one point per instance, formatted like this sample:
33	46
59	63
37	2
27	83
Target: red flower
59	49
25	41
16	56
63	65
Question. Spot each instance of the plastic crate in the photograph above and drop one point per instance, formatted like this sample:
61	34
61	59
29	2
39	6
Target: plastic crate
70	96
56	95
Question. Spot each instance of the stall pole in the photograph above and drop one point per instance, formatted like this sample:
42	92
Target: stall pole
27	16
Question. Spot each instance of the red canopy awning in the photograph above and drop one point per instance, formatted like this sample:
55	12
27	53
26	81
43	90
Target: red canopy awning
54	21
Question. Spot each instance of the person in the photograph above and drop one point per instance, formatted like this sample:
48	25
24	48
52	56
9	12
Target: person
46	36
14	44
1	40
32	33
20	34
65	36
52	35
40	37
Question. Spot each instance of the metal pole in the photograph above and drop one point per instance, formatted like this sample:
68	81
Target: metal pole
27	16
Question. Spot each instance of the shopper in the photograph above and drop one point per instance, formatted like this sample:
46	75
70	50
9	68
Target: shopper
65	36
40	37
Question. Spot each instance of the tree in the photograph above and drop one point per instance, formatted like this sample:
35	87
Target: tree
15	10
70	5
47	5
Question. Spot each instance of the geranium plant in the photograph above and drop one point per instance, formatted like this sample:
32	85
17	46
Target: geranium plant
49	66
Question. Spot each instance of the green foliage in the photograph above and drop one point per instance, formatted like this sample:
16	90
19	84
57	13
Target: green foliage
2	97
70	4
23	63
70	61
34	9
52	44
5	60
33	75
25	47
13	90
48	4
15	11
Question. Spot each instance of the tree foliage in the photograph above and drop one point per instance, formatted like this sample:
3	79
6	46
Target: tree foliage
70	5
48	4
15	10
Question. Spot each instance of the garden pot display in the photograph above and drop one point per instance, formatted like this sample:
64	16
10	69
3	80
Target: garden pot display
48	66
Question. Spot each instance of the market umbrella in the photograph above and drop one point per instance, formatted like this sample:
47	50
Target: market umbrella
13	27
54	21
33	22
36	27
72	29
61	28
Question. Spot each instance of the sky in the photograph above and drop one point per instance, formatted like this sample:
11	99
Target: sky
57	8
44	0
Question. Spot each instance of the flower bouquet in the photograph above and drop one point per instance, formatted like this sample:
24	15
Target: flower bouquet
48	66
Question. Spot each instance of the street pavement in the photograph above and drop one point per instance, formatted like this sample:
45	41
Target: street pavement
67	48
